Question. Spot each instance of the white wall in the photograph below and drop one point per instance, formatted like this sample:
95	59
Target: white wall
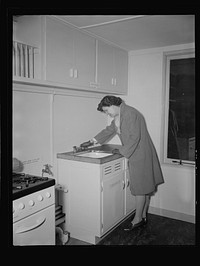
75	120
46	122
31	130
176	197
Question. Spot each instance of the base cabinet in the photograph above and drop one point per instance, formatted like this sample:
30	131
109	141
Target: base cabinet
95	197
130	199
112	194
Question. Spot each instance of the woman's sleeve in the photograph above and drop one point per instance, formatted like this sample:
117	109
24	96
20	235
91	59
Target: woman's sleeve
106	133
133	126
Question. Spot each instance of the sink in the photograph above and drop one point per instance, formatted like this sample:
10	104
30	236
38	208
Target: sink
94	154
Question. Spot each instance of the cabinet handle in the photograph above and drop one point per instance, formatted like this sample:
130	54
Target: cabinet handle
123	184
113	81
24	229
71	73
75	73
93	84
128	183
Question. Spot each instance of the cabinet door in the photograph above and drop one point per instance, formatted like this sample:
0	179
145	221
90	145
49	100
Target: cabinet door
113	200
120	70
105	66
59	52
70	55
129	198
28	30
84	59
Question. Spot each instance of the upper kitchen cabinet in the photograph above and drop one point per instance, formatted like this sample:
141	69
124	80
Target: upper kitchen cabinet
27	46
104	66
48	51
112	68
120	71
70	55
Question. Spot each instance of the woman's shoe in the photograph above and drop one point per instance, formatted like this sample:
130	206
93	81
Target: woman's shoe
145	220
131	226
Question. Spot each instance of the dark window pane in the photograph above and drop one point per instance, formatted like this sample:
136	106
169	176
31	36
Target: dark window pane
181	122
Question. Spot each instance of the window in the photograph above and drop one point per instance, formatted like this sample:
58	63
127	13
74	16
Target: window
179	134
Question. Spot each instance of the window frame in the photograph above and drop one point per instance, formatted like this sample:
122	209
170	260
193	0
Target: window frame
180	54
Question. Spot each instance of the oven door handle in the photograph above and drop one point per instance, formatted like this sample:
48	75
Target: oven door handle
24	229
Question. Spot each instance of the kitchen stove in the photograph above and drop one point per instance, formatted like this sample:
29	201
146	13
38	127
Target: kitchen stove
33	210
24	184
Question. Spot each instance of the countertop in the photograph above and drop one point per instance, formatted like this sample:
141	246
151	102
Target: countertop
106	148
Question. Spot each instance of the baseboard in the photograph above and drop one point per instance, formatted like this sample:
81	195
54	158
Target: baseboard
172	214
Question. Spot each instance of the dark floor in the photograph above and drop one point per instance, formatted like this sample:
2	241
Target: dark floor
159	231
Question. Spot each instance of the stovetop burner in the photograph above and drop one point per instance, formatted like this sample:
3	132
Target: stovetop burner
24	184
26	178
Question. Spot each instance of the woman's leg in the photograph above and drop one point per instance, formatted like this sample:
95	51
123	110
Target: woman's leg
146	206
140	203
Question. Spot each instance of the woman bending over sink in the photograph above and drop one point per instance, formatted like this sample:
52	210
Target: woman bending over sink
143	164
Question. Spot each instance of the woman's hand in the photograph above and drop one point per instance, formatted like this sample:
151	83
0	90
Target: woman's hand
86	144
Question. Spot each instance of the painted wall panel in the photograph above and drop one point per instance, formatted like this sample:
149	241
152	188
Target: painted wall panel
31	130
76	120
45	124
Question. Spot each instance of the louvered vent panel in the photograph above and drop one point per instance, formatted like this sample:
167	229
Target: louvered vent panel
113	167
117	166
108	170
23	60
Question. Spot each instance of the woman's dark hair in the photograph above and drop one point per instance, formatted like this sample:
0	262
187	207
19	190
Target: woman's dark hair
108	101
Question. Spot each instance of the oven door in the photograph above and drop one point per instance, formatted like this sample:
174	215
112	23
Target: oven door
36	229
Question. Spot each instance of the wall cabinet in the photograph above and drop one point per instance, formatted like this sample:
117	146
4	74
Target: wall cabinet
73	58
70	55
96	198
28	30
112	68
120	70
104	66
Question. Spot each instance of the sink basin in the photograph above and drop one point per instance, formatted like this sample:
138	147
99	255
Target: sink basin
94	154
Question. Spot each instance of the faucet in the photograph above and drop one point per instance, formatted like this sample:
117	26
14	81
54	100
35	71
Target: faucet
77	149
47	169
